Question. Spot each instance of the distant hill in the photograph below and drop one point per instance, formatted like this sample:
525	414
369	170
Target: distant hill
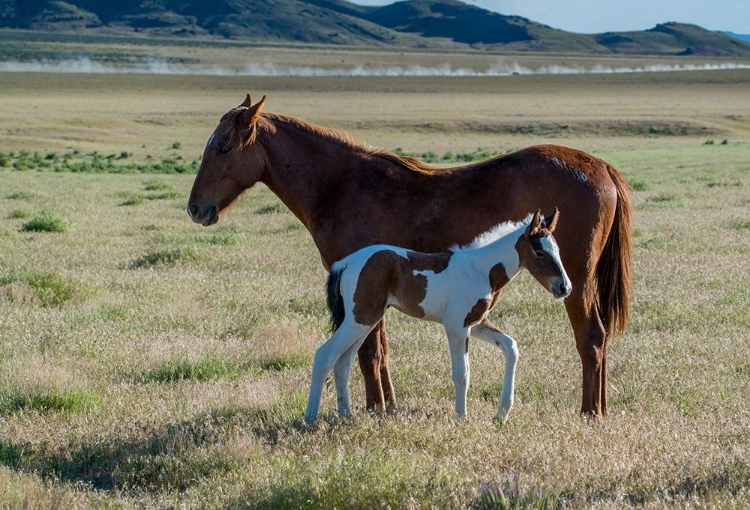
415	23
743	37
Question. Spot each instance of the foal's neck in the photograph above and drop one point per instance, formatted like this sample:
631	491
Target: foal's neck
500	251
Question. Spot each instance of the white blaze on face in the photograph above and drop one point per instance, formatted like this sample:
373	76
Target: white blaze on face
211	139
550	246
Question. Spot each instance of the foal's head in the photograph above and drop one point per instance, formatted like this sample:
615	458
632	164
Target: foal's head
538	253
231	163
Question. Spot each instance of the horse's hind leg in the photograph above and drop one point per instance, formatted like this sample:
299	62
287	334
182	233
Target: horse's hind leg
591	343
373	361
325	358
389	395
341	370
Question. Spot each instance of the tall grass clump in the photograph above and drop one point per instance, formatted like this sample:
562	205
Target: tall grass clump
182	367
48	289
14	400
21	214
165	258
46	221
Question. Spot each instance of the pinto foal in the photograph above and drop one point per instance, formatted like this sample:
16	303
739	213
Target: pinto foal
457	288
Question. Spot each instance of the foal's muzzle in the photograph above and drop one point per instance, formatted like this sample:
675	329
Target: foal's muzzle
562	289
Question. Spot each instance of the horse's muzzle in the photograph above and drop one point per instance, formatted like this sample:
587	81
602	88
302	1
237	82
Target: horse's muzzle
205	218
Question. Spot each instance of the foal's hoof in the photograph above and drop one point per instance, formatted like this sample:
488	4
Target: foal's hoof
500	420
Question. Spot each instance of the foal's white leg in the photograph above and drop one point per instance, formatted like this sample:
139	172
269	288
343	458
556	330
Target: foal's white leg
325	358
341	370
488	332
458	341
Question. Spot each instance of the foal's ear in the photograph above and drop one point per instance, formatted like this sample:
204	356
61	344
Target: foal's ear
550	222
535	226
247	103
251	114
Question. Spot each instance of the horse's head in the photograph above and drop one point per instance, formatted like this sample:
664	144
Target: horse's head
539	254
231	163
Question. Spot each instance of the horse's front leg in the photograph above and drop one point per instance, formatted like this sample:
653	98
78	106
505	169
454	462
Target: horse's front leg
458	341
488	332
373	361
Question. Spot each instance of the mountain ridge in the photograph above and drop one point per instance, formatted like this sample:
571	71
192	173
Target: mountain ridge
414	23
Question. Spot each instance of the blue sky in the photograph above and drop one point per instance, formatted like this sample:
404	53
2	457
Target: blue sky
594	16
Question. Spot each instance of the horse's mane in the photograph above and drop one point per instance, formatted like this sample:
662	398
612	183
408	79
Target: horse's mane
340	137
493	234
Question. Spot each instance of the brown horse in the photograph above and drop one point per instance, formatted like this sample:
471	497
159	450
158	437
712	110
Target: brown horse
349	196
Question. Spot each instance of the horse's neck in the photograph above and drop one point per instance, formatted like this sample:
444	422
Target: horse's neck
302	166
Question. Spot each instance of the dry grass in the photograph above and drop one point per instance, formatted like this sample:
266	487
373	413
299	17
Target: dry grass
184	384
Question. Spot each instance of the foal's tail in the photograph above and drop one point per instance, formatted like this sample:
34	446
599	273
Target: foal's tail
613	267
334	299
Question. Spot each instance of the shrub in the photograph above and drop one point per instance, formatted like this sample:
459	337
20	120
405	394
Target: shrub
45	221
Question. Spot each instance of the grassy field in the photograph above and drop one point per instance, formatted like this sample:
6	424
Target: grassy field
147	362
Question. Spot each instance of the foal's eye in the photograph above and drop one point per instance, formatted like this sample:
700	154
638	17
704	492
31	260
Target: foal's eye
225	149
539	254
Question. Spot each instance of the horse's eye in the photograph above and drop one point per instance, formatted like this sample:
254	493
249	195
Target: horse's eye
225	149
539	254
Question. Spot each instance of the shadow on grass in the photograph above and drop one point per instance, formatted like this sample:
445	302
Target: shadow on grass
176	456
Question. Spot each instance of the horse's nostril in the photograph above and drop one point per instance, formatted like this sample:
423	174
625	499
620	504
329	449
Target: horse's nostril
193	211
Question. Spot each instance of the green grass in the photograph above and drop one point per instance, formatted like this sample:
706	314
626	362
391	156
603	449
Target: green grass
285	362
46	221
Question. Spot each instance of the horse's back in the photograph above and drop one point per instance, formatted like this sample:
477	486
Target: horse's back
509	187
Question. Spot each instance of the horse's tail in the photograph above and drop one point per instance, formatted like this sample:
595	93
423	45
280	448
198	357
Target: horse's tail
613	267
334	298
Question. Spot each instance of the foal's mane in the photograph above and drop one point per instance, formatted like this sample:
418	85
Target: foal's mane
493	234
340	137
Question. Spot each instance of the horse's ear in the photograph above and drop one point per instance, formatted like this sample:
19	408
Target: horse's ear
550	222
535	225
251	114
248	102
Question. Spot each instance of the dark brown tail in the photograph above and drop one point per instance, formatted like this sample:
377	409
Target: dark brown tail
613	268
